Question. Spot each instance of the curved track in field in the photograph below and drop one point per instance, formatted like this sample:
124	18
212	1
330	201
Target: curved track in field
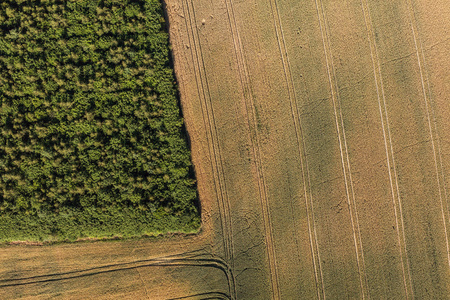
188	259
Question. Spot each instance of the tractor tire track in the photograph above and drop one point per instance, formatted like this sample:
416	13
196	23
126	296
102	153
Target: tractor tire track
204	296
300	145
427	99
255	140
213	143
389	155
343	146
192	259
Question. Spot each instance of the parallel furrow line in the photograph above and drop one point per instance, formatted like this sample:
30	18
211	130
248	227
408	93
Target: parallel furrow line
250	106
300	145
167	261
211	129
342	140
379	86
204	296
426	99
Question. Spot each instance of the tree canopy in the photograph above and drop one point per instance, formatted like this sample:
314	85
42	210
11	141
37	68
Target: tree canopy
90	125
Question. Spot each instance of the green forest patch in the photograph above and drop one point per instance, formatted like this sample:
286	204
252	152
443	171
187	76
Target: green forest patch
91	141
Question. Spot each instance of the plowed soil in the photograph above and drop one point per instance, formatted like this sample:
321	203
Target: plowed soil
319	134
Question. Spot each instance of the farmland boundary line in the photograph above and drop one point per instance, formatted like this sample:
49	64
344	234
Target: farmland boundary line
353	211
300	143
246	90
417	41
217	167
379	85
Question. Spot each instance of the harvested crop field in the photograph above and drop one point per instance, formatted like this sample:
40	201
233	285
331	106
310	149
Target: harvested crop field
319	135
